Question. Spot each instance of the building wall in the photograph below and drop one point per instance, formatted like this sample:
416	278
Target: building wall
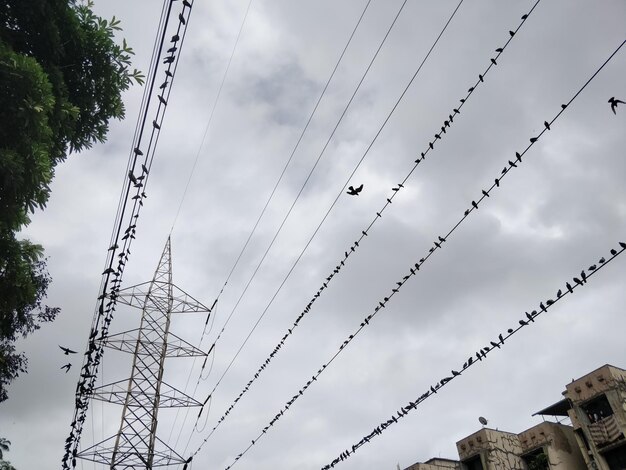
499	450
558	443
436	464
611	382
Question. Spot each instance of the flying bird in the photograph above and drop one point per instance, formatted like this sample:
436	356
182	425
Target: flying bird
614	102
352	191
67	351
67	367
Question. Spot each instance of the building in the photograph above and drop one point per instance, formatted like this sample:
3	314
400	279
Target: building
596	407
436	464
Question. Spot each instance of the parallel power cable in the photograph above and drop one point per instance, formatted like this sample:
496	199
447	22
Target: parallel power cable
437	245
306	126
112	278
310	172
323	92
479	356
193	168
319	157
364	233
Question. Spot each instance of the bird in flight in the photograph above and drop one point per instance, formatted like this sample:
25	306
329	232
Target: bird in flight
67	351
352	191
67	367
614	102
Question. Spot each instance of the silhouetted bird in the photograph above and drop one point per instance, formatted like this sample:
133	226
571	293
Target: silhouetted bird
547	124
67	367
181	18
67	351
563	106
474	205
162	100
132	177
175	38
524	16
155	125
499	49
623	245
485	193
533	139
512	33
137	151
518	156
497	181
614	102
613	252
493	61
480	77
352	191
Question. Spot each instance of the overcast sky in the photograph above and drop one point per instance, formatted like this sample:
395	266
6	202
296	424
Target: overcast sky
561	210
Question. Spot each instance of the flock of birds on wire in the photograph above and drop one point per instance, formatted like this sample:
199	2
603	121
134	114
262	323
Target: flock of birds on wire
355	191
112	277
94	353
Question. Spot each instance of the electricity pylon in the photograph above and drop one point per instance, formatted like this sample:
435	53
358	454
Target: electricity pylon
136	444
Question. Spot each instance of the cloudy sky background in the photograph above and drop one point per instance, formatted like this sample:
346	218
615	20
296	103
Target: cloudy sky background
559	212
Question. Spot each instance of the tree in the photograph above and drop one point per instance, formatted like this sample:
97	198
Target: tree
4	447
62	76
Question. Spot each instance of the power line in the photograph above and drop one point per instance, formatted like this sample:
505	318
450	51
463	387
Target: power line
479	356
354	247
284	168
310	172
437	245
111	278
206	130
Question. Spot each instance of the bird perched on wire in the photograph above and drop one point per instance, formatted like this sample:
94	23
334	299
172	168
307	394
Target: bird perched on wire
614	102
67	367
67	351
352	191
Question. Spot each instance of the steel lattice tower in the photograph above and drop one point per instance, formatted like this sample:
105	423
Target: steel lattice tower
136	445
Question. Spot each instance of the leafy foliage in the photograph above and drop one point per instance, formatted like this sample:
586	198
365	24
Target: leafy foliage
4	447
62	76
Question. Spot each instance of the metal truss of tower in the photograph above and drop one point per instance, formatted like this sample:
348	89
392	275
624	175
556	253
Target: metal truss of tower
136	445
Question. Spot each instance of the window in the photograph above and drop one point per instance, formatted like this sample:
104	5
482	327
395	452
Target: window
473	464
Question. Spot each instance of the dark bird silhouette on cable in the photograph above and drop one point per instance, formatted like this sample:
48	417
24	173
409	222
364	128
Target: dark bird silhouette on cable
499	49
352	191
493	61
132	178
546	124
497	182
533	139
67	351
181	18
155	125
613	251
614	102
518	157
175	38
67	367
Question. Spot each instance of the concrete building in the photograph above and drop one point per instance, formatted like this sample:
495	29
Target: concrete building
596	407
490	449
598	413
551	446
436	464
